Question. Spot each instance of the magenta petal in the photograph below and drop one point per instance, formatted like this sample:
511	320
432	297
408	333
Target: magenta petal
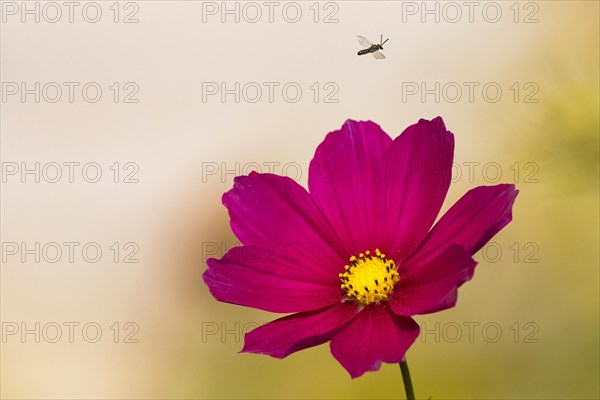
273	211
286	335
471	222
345	181
418	170
374	336
433	286
258	277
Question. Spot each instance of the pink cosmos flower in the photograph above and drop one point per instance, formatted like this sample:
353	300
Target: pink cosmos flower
356	256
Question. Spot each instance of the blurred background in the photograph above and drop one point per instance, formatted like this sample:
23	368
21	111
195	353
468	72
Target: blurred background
126	314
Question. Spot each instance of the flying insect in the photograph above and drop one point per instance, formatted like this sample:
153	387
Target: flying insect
372	48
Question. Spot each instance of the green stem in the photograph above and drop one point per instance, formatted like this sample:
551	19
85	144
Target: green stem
410	393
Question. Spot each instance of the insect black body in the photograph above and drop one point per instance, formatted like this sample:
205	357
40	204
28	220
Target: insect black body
371	49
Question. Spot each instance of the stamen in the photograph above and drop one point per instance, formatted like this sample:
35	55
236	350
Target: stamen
362	277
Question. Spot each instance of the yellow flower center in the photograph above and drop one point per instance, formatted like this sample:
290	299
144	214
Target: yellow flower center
369	278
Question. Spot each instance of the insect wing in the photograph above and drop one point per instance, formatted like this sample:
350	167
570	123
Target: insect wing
364	42
378	55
